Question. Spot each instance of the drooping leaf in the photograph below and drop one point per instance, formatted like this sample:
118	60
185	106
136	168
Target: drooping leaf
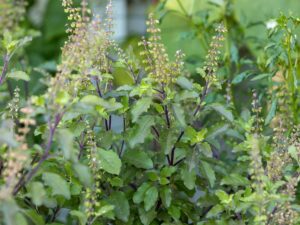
215	211
141	131
140	107
240	77
167	139
121	205
235	179
138	158
83	173
208	172
58	184
82	218
222	110
188	177
65	138
261	76
179	114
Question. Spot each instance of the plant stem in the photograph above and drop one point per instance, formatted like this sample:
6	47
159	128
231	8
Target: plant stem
204	93
123	141
199	107
182	8
167	116
81	145
174	148
5	68
27	177
107	125
155	131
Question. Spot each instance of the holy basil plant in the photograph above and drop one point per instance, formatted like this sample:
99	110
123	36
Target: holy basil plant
140	136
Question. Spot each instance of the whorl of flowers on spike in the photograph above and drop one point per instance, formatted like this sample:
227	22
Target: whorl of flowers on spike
256	110
284	213
156	59
89	41
257	172
92	193
16	157
11	13
213	55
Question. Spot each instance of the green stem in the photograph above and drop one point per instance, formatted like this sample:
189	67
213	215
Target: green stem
182	8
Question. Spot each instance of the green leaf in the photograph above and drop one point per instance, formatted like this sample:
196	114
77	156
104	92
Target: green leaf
104	209
223	111
168	171
37	193
261	76
66	139
174	211
122	76
179	114
215	211
84	174
138	196
217	130
193	136
293	152
80	216
224	197
151	197
58	185
18	75
235	179
93	100
167	140
272	112
121	205
34	217
62	98
20	219
166	196
184	83
240	77
147	217
140	107
138	158
189	178
140	132
208	172
109	161
8	209
7	136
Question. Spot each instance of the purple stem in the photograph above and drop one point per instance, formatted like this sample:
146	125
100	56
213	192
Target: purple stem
26	178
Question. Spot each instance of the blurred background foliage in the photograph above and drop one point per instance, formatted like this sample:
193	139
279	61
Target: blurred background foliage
185	24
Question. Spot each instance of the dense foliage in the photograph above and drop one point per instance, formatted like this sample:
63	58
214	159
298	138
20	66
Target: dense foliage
147	134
